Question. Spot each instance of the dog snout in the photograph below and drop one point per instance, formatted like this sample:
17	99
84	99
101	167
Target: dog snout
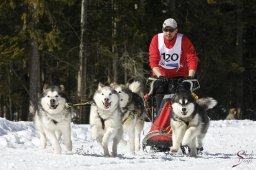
184	109
106	99
52	101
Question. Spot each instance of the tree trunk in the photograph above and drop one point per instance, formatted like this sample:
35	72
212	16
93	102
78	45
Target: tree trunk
34	67
9	94
82	73
34	79
114	44
239	45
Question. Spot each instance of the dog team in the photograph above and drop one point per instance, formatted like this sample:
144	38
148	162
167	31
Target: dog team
118	109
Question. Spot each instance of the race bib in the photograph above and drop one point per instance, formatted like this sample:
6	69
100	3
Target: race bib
169	57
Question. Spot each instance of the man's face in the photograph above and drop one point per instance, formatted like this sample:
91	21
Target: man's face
169	32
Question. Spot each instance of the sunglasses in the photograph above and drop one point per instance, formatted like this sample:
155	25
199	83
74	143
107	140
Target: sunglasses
169	30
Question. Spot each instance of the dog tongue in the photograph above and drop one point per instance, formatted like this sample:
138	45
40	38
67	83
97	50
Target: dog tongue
53	106
107	104
184	113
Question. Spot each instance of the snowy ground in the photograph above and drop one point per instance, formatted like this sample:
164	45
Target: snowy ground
227	143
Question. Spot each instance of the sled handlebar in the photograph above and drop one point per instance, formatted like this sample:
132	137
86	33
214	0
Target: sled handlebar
193	83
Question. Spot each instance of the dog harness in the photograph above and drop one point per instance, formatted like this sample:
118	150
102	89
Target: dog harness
137	110
102	121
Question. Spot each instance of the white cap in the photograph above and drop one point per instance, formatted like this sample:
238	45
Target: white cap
170	22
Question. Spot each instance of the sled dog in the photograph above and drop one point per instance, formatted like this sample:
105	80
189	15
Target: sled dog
189	122
53	118
105	118
132	108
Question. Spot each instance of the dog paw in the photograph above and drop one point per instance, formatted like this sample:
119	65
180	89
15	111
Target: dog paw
106	155
68	153
173	150
57	152
200	150
185	149
123	142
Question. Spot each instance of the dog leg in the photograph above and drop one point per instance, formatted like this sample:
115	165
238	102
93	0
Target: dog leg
189	135
114	147
106	138
96	135
200	138
199	142
192	145
131	140
67	138
42	140
116	141
138	129
54	141
177	136
58	134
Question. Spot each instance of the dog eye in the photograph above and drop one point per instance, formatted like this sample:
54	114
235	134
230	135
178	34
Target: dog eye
56	96
110	93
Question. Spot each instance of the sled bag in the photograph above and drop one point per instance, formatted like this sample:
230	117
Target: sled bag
159	136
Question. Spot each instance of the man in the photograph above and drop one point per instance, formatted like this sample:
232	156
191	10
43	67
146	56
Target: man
171	54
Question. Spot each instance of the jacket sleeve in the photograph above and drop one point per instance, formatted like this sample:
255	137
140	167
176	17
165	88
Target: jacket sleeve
154	56
190	53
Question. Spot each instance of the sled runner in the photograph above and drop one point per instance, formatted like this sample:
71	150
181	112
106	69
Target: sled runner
159	137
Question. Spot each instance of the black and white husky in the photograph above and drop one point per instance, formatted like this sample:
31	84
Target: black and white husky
53	118
105	118
132	108
189	122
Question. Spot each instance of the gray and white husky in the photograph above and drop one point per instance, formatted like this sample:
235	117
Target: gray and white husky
53	118
105	118
132	108
189	122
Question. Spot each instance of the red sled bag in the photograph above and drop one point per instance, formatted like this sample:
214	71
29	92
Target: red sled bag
159	137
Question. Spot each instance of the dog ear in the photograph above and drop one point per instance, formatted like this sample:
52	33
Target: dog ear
113	84
100	85
173	98
127	85
62	88
45	87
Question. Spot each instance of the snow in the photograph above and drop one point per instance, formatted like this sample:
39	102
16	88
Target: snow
226	144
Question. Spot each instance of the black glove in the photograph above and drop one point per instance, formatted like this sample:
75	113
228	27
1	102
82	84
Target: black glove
163	79
189	78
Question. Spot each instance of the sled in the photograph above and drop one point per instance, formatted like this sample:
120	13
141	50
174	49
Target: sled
159	137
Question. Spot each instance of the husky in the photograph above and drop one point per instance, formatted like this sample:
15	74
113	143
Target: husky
132	108
189	122
53	118
105	118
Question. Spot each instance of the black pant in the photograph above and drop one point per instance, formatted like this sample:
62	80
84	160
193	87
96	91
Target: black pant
160	91
158	100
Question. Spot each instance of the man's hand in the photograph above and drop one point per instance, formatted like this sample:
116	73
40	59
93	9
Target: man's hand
163	79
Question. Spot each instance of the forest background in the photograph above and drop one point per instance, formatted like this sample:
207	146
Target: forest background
79	43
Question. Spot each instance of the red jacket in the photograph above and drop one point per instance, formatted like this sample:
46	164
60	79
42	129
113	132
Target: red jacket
188	60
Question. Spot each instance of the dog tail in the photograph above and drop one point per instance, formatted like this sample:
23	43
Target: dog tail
207	103
136	87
